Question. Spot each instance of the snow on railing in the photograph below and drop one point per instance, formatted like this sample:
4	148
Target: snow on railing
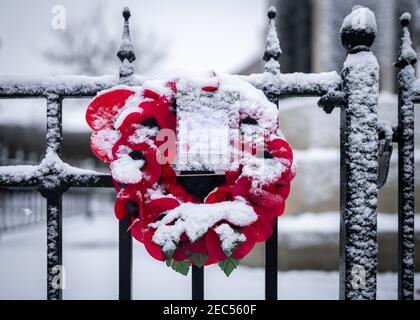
355	92
407	96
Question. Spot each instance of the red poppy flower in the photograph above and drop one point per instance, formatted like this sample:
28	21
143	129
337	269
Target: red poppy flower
135	119
102	110
151	169
124	196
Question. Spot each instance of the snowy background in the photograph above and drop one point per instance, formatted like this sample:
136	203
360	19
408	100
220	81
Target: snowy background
227	36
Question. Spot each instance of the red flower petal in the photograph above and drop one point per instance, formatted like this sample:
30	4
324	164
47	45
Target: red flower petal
220	194
168	177
147	93
279	188
279	148
164	116
246	247
264	230
214	246
102	110
98	148
180	255
232	176
135	119
210	88
154	208
265	199
198	246
172	86
267	214
242	187
154	250
137	231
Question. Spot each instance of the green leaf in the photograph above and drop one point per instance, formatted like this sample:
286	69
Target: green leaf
199	259
182	267
229	265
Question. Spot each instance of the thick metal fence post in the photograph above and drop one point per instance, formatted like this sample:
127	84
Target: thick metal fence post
359	164
125	259
406	78
54	202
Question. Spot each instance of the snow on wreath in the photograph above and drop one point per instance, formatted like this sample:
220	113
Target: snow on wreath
200	165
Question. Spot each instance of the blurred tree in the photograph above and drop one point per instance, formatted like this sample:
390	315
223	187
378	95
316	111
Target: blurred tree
87	46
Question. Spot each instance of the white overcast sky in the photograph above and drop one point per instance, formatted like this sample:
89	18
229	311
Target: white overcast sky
223	35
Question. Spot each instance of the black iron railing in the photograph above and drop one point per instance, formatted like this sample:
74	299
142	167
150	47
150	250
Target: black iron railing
356	92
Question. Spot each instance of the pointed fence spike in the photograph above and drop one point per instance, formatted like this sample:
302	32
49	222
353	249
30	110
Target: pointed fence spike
272	45
126	51
407	55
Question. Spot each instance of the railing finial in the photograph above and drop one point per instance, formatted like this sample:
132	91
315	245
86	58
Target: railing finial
407	55
272	45
359	29
126	51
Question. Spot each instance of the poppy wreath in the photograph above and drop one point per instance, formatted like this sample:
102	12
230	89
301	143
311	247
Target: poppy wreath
176	226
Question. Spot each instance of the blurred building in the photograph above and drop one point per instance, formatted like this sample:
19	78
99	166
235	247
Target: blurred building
309	33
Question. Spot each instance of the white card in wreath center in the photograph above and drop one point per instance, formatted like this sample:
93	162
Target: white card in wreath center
203	133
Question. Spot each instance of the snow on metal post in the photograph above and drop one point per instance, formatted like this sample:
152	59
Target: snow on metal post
125	258
406	78
53	195
359	163
271	56
126	51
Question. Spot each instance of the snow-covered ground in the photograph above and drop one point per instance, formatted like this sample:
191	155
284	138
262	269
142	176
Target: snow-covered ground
91	263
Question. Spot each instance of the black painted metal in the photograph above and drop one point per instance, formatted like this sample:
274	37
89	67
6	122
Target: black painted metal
271	266
272	55
197	283
54	247
53	195
127	56
359	174
406	249
125	260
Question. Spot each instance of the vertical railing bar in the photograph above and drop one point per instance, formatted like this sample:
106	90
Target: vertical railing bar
125	258
54	201
271	265
54	247
272	55
406	244
197	283
125	243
